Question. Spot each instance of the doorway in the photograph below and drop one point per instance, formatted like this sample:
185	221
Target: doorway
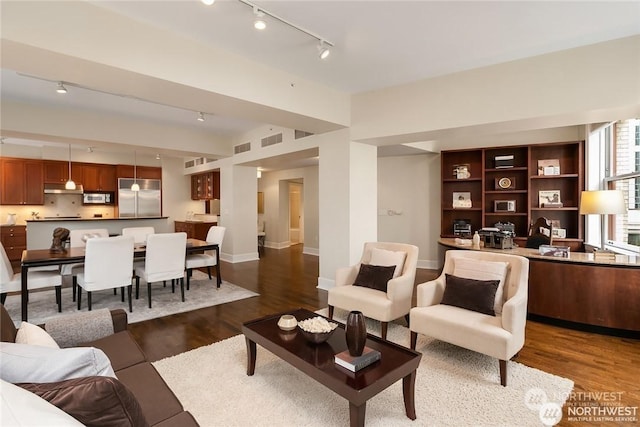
296	212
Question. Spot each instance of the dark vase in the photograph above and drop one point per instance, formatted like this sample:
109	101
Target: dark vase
356	333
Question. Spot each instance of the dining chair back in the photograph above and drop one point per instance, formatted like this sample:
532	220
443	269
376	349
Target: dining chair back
108	264
208	258
164	260
79	237
139	234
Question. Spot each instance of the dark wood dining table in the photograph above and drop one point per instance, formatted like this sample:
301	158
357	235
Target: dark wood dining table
45	257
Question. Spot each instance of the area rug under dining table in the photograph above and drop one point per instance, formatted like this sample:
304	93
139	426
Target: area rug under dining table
454	387
202	293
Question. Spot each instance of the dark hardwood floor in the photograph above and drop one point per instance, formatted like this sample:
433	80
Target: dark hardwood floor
287	279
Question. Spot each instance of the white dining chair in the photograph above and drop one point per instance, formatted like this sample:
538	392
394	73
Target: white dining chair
139	234
108	264
208	258
164	260
78	239
10	282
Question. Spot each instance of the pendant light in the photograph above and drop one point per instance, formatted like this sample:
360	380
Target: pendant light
70	185
135	186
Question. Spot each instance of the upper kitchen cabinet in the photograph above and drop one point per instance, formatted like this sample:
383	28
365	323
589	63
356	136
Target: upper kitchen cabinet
57	172
22	182
98	177
205	186
142	172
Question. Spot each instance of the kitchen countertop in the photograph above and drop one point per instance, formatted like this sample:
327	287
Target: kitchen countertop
93	219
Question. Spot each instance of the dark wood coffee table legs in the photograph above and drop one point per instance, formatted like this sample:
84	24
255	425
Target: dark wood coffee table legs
356	414
408	392
251	357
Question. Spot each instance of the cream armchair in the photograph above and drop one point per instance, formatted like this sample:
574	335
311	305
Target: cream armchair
500	335
373	303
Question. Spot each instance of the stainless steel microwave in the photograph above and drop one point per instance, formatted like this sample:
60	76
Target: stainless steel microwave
103	198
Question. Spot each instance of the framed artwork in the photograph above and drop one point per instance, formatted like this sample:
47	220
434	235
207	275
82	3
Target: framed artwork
462	171
549	167
548	198
462	200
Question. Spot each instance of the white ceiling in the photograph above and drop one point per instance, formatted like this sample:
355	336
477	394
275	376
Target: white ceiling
377	43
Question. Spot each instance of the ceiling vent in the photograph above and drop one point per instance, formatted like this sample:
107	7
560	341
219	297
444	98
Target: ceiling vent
272	140
301	134
241	148
198	161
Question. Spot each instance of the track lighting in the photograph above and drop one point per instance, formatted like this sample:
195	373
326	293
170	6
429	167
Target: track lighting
201	117
259	23
60	88
323	50
89	149
208	2
158	156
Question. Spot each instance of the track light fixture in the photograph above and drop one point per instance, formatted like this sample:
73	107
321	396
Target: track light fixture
60	88
323	50
259	23
201	117
158	156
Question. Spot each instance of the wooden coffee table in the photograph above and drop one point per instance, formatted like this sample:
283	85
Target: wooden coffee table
316	360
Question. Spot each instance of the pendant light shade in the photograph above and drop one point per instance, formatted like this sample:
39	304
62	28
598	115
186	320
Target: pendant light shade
70	185
135	186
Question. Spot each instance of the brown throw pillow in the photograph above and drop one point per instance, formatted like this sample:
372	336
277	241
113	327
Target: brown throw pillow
94	401
374	276
476	295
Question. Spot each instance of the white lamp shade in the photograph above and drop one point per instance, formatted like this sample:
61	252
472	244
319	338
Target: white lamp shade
70	185
135	187
602	202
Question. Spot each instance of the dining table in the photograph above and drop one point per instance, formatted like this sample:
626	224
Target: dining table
75	255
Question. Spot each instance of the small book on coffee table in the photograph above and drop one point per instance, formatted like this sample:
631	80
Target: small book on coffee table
355	363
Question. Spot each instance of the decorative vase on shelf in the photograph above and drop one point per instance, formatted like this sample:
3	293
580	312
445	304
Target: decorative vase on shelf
476	240
356	333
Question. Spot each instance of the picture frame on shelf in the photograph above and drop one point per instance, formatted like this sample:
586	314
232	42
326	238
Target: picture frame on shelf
548	167
560	233
549	199
555	223
462	199
462	171
505	183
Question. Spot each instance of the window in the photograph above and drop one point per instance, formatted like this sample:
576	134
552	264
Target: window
617	146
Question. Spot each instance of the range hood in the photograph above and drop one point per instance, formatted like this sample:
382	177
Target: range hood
59	189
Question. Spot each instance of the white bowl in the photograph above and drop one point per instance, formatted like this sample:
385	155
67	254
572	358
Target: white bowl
287	322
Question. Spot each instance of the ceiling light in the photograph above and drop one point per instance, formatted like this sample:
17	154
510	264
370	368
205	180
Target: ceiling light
259	174
157	156
323	50
60	88
135	186
70	185
208	2
89	149
201	117
259	23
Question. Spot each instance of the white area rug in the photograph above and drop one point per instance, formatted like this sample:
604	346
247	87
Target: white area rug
454	387
202	293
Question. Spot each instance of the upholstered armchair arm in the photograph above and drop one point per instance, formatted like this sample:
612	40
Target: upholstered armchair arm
400	288
430	293
347	275
514	311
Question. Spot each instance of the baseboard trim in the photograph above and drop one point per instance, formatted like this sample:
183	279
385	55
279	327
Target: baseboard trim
310	251
427	264
325	284
233	259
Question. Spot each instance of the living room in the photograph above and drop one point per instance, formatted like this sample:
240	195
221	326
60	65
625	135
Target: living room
356	184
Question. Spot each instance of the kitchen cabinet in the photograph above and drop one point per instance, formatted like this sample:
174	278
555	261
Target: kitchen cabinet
98	177
205	186
14	241
142	172
22	182
194	229
56	172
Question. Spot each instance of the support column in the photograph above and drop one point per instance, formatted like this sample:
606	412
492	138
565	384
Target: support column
348	201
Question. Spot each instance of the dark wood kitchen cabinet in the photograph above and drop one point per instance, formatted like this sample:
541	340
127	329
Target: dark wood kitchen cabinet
194	230
57	172
142	172
205	186
22	182
14	241
98	177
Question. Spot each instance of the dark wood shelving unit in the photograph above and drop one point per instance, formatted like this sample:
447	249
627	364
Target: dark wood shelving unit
524	185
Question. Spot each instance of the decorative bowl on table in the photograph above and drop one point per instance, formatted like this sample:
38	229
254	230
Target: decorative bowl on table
287	322
317	329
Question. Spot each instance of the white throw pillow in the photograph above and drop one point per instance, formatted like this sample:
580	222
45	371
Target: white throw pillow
483	270
385	258
23	363
34	335
19	407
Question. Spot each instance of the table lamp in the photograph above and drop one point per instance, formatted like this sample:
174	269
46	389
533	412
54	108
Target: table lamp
602	202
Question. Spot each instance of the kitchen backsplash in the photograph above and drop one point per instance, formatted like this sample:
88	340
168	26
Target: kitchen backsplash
56	205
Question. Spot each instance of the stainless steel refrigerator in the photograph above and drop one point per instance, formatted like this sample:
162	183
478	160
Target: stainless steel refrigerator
144	203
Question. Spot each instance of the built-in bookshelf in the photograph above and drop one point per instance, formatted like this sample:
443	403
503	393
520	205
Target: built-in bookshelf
486	186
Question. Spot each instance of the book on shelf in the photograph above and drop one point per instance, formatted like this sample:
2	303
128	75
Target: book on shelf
552	205
355	363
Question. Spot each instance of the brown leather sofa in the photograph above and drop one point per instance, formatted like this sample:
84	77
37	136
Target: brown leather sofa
145	398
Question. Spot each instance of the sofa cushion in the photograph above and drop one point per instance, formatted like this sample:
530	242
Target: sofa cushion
183	419
484	270
94	401
470	294
121	349
22	363
374	276
156	399
34	335
18	407
387	258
